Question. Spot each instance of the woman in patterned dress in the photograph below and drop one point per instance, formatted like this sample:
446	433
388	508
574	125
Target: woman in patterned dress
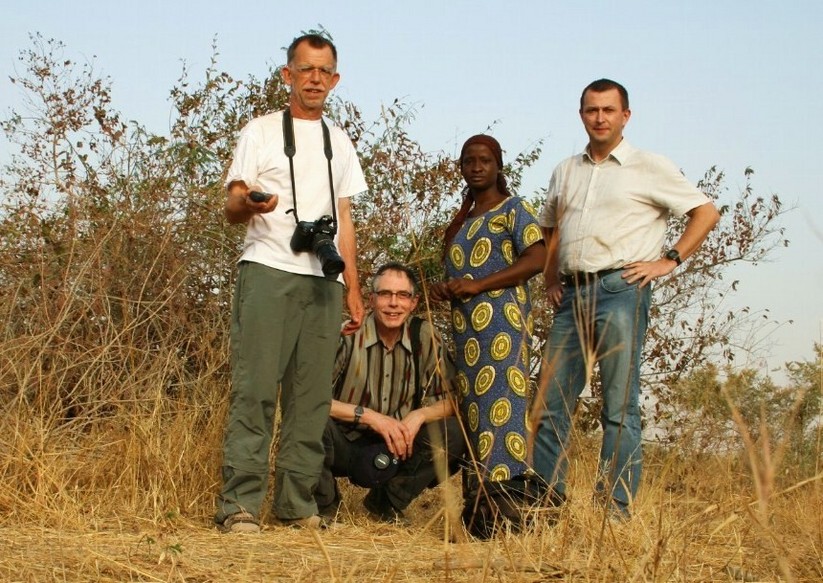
492	247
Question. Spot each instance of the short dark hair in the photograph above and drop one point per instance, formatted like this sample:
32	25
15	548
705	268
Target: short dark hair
602	85
316	41
396	266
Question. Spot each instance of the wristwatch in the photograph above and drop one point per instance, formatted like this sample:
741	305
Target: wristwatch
358	413
674	255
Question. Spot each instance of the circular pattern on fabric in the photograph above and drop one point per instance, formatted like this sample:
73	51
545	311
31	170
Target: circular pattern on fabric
457	257
507	248
473	415
517	381
531	235
501	346
458	321
500	473
497	293
512	216
512	312
485	441
462	384
471	352
530	323
524	357
482	316
520	293
500	412
516	446
480	252
484	444
484	380
498	224
474	227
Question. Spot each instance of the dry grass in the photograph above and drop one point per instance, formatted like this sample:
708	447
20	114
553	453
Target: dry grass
132	503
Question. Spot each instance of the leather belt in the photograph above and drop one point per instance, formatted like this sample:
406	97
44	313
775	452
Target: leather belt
585	277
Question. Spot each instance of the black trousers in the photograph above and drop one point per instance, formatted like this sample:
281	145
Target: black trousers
434	441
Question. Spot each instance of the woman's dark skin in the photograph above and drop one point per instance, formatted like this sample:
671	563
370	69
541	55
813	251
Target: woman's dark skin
480	170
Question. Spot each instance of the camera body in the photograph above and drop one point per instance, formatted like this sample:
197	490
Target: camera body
318	237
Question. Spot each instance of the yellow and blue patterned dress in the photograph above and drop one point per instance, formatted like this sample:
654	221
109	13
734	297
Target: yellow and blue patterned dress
492	333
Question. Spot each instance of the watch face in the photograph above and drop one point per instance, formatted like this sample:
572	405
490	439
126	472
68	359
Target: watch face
674	255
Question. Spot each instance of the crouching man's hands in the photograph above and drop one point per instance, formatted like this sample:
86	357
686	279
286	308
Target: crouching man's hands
397	435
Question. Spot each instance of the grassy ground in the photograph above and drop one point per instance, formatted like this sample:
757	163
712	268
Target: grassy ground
693	522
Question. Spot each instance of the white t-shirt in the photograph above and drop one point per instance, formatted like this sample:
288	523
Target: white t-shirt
614	212
259	160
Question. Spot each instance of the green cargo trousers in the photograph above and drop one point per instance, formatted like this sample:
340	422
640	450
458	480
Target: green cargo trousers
284	334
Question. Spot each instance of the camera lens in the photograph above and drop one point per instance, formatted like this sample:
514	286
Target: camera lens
330	261
382	461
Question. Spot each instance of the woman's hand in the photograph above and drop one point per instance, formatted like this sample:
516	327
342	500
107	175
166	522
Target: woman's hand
439	292
463	288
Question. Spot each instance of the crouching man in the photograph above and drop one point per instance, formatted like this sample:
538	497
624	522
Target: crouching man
392	425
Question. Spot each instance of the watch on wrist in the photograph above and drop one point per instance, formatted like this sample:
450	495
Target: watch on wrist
674	255
358	413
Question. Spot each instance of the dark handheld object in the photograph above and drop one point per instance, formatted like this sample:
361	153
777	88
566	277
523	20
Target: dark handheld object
374	465
259	196
318	237
383	460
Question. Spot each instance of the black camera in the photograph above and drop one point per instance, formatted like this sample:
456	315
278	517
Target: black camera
318	237
374	464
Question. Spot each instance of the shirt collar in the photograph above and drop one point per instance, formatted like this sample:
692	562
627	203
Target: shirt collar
370	337
621	153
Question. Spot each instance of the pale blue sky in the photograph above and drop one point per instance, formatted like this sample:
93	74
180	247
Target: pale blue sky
711	82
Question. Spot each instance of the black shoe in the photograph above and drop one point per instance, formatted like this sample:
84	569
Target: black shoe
380	508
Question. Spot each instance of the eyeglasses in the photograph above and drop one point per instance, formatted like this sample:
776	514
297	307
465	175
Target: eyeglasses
307	70
385	294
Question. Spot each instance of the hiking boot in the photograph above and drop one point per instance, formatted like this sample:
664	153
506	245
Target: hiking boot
240	522
380	508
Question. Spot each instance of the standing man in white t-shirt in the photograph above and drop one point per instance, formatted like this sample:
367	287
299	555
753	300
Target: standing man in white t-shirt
605	223
287	305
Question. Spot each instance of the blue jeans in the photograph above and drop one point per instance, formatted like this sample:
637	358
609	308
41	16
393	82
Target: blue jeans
600	320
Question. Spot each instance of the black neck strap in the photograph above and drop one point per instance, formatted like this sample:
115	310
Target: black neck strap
290	150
